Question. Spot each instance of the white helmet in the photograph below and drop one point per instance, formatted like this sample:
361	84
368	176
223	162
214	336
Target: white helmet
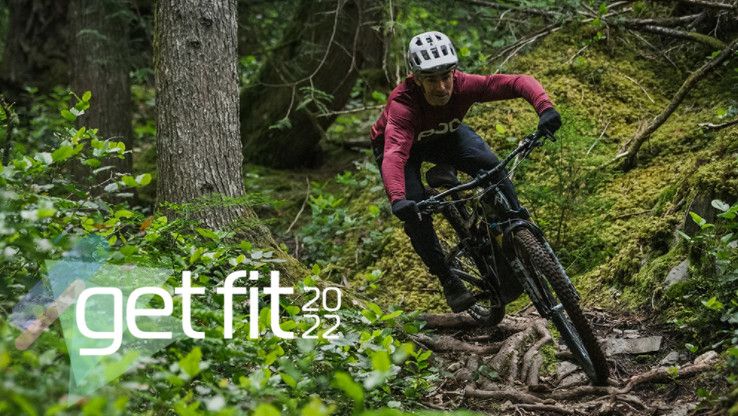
431	52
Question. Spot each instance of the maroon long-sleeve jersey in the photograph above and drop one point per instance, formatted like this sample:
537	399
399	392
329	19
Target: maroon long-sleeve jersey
408	118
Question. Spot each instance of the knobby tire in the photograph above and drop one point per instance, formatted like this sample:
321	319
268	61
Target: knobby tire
548	265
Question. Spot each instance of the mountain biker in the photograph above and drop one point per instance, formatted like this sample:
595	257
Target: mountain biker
422	121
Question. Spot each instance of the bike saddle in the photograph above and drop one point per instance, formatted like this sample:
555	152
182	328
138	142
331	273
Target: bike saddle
442	176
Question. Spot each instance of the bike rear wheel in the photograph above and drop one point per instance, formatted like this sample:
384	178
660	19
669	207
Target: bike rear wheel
561	303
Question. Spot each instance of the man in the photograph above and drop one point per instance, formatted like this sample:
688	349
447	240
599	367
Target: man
422	121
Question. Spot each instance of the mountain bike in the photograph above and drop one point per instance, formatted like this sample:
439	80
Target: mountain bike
500	252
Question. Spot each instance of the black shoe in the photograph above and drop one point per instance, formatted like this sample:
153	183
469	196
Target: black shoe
457	295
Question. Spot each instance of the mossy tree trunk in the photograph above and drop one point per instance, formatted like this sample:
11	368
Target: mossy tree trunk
322	51
100	62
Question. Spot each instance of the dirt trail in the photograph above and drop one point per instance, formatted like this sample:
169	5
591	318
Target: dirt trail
503	370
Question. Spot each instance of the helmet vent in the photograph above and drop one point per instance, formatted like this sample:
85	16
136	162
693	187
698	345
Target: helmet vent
425	54
444	50
435	53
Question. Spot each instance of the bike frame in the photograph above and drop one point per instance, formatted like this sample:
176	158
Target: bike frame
505	228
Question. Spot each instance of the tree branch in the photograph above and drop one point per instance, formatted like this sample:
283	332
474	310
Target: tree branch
526	10
712	4
682	34
715	127
668	21
632	147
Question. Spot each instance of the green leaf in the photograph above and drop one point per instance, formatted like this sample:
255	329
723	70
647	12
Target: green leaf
143	179
190	364
720	205
697	219
379	97
288	380
353	390
500	128
374	308
266	409
123	213
86	96
44	157
62	153
68	115
207	233
392	315
128	250
603	8
92	162
45	212
373	210
381	361
129	181
315	407
713	304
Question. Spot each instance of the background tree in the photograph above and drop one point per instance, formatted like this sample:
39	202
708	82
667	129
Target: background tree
198	146
35	45
100	62
197	90
312	70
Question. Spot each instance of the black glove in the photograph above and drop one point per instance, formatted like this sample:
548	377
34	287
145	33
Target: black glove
549	121
405	210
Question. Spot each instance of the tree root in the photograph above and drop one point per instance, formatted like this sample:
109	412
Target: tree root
465	321
531	366
543	409
444	343
518	360
450	321
515	396
505	361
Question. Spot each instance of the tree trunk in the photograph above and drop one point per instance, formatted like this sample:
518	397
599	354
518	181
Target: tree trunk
35	45
322	51
100	58
199	151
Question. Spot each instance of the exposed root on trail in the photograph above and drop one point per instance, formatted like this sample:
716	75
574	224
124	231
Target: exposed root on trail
445	343
504	365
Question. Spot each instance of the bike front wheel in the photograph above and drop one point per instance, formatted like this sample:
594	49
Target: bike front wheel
558	300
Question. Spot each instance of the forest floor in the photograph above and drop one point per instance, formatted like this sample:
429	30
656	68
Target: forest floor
519	368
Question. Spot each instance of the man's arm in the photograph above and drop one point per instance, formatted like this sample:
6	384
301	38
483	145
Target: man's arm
508	86
398	140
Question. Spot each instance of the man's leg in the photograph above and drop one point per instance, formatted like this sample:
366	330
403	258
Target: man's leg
424	240
470	154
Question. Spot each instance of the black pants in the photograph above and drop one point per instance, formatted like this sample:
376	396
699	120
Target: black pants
462	149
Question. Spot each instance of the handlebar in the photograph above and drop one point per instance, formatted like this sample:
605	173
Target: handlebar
524	148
